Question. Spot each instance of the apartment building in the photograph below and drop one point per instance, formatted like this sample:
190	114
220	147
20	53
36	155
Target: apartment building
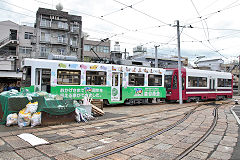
15	44
57	33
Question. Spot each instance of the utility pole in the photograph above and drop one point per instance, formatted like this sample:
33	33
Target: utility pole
156	57
179	65
125	54
239	75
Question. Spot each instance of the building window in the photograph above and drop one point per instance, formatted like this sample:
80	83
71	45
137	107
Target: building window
87	47
61	51
68	77
61	38
25	50
154	80
74	28
28	35
73	41
45	37
96	78
44	52
44	23
106	49
197	81
136	79
62	25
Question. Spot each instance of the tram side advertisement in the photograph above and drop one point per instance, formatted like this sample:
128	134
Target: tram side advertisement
104	92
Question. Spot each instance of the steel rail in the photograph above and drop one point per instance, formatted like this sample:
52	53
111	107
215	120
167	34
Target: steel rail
189	149
142	140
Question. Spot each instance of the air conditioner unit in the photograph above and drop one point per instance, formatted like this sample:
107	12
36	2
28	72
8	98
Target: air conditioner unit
74	49
12	57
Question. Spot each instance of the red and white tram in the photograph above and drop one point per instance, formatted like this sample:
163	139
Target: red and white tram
198	85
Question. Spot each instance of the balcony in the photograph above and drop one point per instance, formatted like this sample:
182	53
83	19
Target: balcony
56	25
7	64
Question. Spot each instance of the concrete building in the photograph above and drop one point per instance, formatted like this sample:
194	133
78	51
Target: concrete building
15	44
212	64
101	50
57	33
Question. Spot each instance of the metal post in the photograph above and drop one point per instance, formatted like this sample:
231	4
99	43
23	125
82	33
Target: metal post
125	54
239	75
179	65
156	58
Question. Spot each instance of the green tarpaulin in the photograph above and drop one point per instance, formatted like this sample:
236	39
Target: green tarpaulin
13	102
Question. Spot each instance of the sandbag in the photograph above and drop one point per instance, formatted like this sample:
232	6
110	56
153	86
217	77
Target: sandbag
31	107
36	119
24	118
12	119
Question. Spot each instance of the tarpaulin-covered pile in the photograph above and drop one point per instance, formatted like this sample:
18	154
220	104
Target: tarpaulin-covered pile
13	101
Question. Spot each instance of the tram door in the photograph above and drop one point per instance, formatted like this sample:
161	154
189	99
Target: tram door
42	80
212	84
116	86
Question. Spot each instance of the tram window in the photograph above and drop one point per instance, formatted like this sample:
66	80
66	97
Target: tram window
224	82
136	79
68	77
197	81
26	77
96	78
154	80
168	79
183	83
115	80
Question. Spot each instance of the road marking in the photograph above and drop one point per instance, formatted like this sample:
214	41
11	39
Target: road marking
235	115
32	139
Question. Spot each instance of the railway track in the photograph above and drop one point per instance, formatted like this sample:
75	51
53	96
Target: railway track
161	131
142	140
207	133
103	132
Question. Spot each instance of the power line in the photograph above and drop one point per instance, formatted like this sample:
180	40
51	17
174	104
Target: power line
206	16
217	51
17	6
17	13
206	35
88	15
121	9
144	13
222	29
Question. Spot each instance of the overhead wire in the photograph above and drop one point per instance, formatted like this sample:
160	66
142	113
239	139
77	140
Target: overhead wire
205	32
143	13
122	9
89	15
17	13
206	16
206	45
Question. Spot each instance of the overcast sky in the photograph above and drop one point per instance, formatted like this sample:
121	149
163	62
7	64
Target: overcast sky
214	30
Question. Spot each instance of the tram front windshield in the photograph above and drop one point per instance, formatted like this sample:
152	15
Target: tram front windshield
168	79
26	77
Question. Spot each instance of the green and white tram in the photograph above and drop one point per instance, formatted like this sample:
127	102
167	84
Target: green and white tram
112	83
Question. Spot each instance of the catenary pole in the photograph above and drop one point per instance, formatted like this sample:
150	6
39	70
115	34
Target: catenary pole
179	65
239	75
156	58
